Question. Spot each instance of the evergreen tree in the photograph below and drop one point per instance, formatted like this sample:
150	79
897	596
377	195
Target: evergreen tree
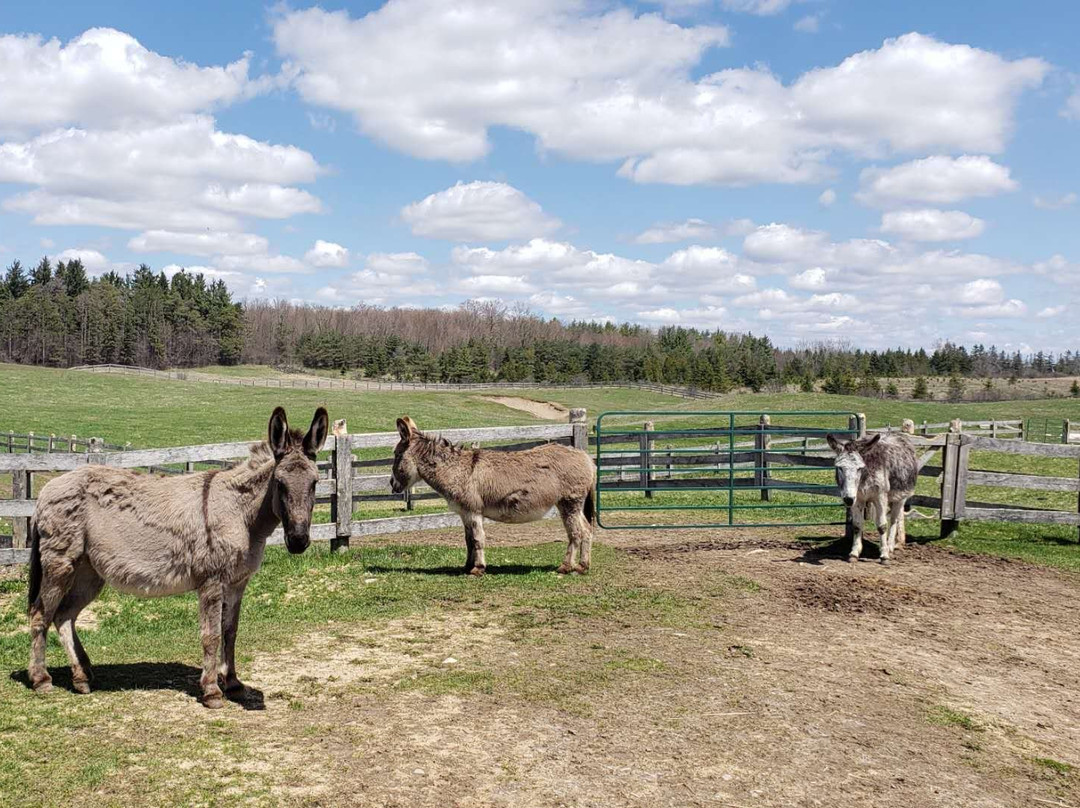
15	280
920	391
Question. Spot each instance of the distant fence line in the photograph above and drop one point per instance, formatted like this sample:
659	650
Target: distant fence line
365	385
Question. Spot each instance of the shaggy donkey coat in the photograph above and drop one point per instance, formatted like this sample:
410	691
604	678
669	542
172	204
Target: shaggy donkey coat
506	486
880	472
153	536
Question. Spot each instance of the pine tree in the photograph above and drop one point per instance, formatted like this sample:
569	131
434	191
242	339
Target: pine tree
920	391
15	280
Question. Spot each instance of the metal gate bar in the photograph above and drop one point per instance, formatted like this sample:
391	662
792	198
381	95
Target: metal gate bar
717	466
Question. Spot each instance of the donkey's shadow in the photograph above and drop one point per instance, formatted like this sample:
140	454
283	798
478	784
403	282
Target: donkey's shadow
492	569
818	552
146	676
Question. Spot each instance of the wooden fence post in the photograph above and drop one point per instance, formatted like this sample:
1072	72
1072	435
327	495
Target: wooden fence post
761	473
860	423
72	444
907	427
29	442
849	524
341	506
20	489
579	437
645	475
950	480
1066	426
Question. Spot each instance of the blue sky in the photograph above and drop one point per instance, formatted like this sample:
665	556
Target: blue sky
883	174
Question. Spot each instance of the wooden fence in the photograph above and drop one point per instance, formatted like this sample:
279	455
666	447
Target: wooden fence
13	442
341	484
371	385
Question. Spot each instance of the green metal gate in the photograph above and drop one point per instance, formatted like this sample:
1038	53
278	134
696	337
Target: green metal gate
749	469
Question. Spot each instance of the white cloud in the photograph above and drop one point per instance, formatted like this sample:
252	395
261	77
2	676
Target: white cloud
615	86
1055	202
496	285
478	211
760	7
1051	311
204	243
936	180
327	254
982	291
810	279
178	176
1072	105
1005	309
827	198
396	264
777	243
932	225
810	24
666	233
93	260
665	314
105	78
261	264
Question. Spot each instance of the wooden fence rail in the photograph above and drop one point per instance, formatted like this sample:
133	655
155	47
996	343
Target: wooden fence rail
341	485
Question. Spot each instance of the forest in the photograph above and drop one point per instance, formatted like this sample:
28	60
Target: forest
59	316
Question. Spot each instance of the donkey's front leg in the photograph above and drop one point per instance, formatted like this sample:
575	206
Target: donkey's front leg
896	523
210	601
230	617
470	544
858	518
474	523
883	526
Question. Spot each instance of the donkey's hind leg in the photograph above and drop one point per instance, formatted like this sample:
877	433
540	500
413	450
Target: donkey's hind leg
470	545
578	534
56	579
474	525
85	587
210	600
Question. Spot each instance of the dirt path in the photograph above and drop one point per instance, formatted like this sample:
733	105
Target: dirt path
745	672
538	409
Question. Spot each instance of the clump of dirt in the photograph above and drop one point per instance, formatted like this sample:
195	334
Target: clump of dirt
548	410
860	596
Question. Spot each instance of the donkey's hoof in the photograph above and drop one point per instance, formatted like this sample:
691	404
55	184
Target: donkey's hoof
81	686
564	569
213	701
582	568
476	571
43	686
852	559
885	561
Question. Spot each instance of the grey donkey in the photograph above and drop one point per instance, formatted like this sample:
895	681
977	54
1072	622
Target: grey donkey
153	536
879	471
506	486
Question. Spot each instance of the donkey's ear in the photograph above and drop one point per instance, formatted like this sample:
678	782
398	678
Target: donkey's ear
316	434
866	443
835	444
278	433
406	428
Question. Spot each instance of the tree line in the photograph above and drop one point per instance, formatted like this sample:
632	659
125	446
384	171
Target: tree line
58	316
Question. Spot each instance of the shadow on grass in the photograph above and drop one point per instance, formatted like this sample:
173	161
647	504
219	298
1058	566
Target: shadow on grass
146	676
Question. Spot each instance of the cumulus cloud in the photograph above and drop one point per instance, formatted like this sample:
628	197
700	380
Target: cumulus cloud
668	232
204	243
810	24
93	260
327	254
1051	311
982	291
1005	309
938	180
478	211
396	264
106	78
618	86
932	225
827	198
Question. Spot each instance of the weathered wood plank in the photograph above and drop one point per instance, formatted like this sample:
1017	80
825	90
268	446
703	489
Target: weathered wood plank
981	444
1022	515
810	461
11	556
1034	481
322	532
373	440
41	462
17	507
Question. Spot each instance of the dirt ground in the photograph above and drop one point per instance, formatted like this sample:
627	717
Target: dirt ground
942	680
538	409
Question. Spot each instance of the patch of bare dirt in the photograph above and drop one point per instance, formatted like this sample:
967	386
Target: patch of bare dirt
858	596
547	410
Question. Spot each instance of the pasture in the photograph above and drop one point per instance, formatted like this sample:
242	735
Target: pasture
726	667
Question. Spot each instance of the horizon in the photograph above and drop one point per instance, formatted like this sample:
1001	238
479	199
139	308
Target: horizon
809	171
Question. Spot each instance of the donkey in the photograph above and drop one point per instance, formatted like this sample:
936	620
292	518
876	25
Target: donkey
507	486
880	472
153	536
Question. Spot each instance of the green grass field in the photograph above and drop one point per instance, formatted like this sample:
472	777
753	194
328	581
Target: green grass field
151	412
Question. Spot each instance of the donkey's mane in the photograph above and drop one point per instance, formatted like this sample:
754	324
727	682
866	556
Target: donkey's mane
261	452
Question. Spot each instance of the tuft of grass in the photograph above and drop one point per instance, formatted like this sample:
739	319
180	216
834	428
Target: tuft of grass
1055	766
949	717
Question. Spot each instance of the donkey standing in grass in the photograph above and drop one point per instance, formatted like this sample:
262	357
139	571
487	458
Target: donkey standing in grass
507	486
880	471
154	536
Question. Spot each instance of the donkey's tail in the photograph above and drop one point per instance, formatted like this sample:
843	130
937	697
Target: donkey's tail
590	506
35	566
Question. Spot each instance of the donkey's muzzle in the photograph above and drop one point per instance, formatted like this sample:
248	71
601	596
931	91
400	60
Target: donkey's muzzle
297	544
849	501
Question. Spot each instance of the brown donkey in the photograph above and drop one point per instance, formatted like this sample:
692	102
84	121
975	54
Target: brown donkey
153	536
507	486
